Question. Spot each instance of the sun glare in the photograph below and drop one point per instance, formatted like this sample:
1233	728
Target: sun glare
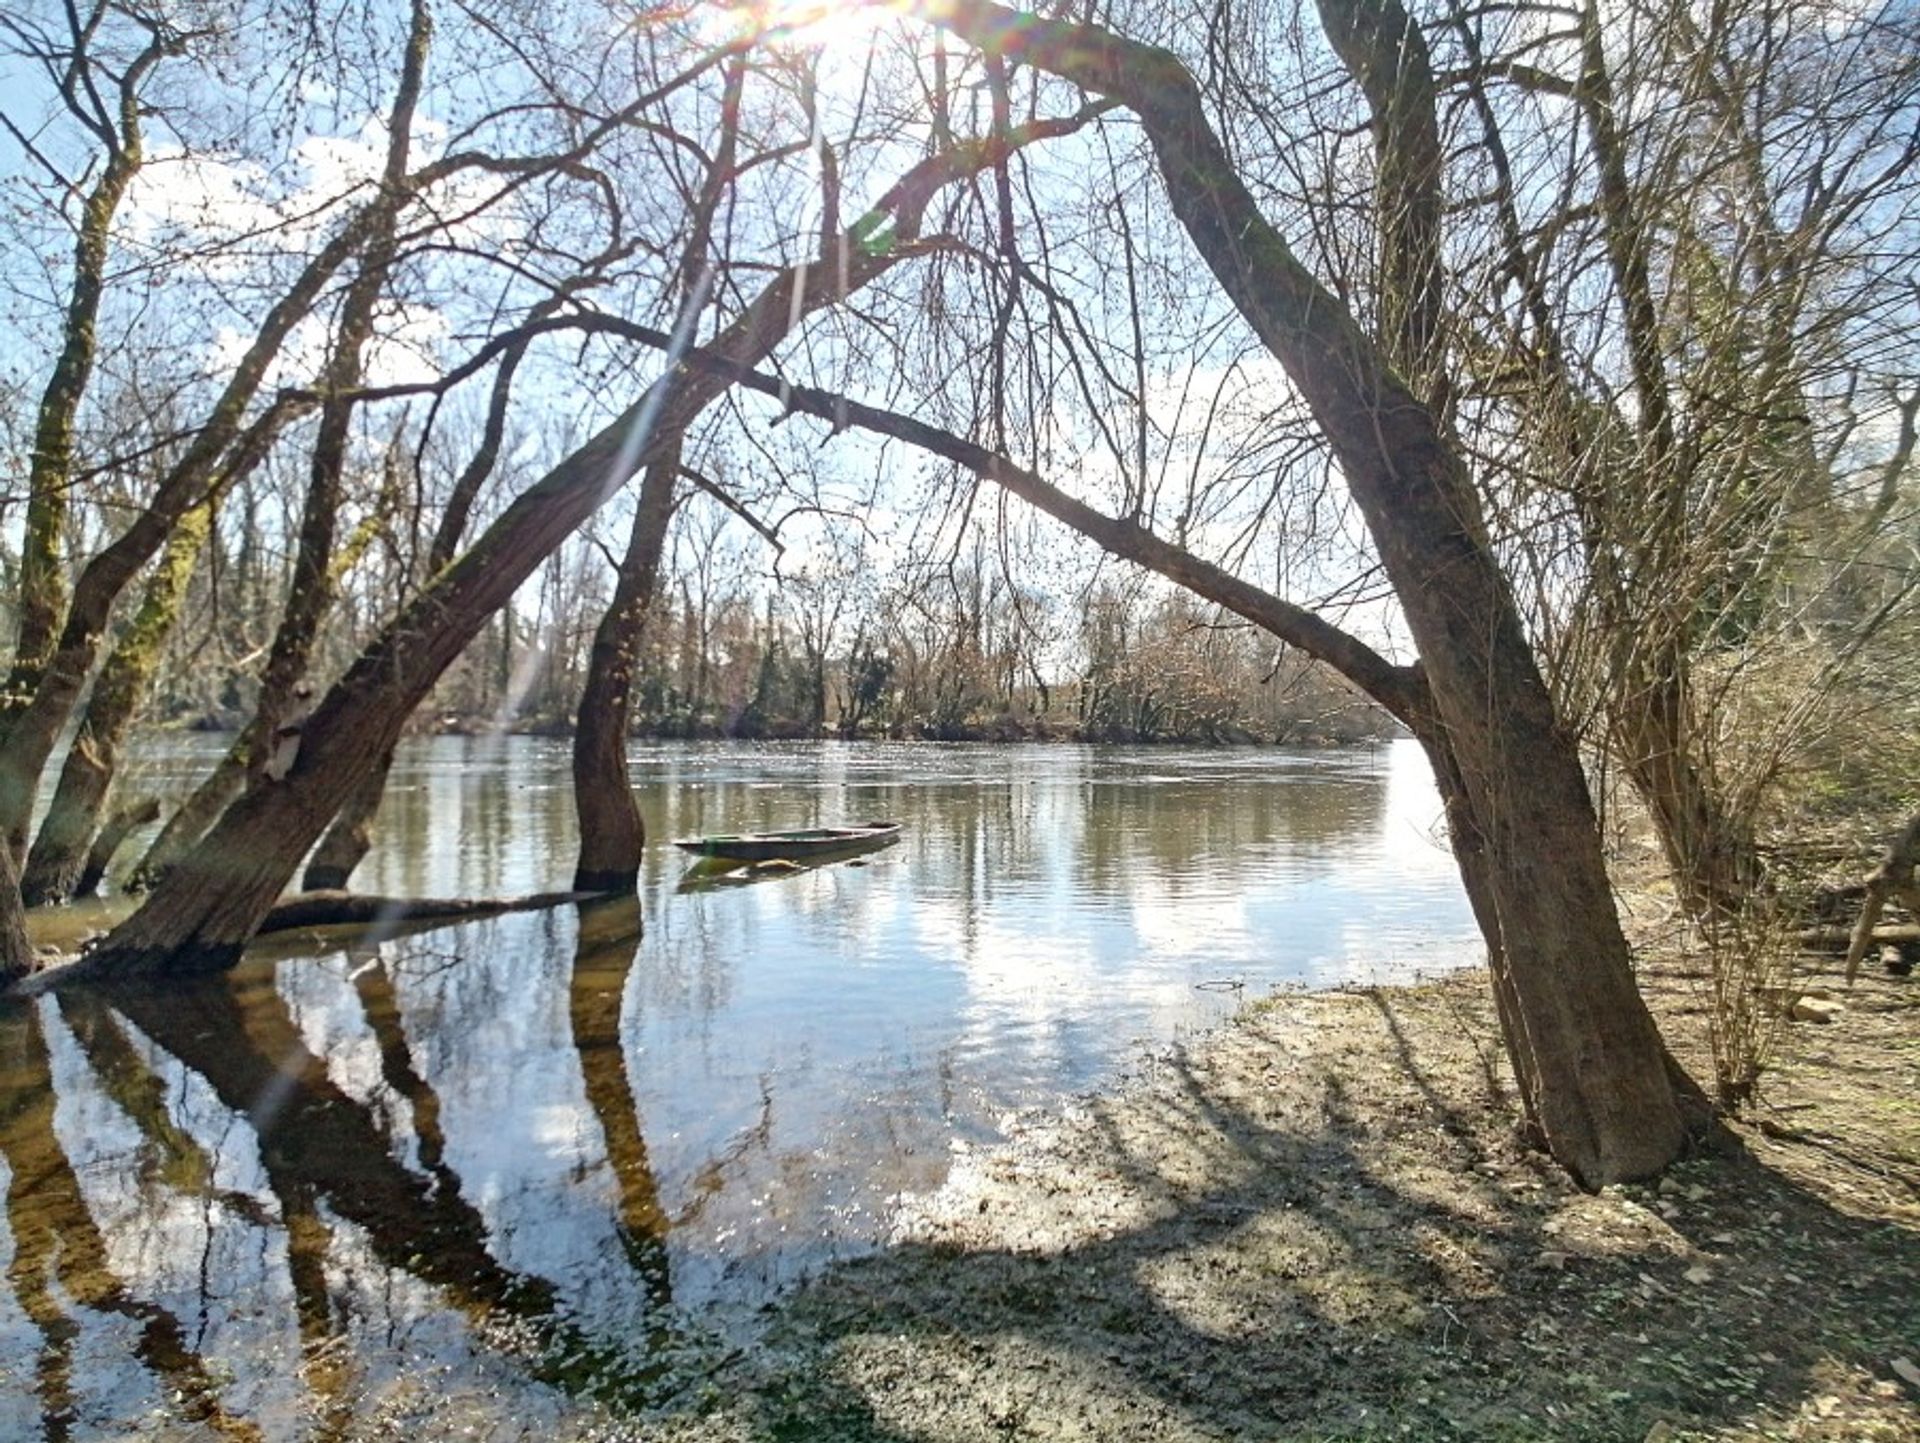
814	24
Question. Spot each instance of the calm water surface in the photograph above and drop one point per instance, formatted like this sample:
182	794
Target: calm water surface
516	1160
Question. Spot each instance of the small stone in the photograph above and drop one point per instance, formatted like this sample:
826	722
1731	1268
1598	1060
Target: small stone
1698	1274
1815	1009
1552	1259
1660	1432
1907	1371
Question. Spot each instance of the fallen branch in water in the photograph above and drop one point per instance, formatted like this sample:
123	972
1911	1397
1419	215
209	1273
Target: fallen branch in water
317	911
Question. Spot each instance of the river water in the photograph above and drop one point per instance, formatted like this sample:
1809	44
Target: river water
526	1158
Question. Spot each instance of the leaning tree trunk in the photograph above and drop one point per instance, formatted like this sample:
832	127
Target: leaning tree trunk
311	592
1590	1059
59	852
612	832
42	597
16	952
120	825
350	838
207	906
31	738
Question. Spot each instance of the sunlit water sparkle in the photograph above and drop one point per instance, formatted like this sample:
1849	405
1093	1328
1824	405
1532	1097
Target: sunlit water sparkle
372	1158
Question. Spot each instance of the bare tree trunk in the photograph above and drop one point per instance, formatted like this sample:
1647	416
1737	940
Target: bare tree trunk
115	830
1892	879
1590	1059
1711	851
16	952
192	818
349	839
311	592
612	832
60	850
50	473
1712	854
30	740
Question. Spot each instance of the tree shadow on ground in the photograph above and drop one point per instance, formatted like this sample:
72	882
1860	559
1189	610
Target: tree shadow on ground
1277	1240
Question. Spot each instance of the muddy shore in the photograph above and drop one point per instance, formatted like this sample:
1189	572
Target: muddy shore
1320	1224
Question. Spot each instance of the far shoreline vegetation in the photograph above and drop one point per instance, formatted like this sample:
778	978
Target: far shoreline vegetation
795	663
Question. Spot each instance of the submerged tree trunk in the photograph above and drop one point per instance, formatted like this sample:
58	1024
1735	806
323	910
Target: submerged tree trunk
16	952
612	833
348	840
1589	1058
60	850
115	830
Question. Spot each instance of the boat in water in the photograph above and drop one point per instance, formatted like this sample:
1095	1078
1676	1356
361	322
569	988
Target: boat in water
805	844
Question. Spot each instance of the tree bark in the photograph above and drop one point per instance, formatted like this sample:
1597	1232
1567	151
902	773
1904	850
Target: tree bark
50	471
60	850
16	952
612	831
30	740
311	592
349	839
115	830
1591	1060
1893	878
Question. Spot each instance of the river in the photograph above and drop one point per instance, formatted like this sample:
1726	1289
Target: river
529	1157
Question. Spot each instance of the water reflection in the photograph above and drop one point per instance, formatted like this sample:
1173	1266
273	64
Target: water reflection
508	1164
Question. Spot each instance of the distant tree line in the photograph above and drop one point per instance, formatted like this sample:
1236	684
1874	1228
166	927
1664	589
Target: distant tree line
959	656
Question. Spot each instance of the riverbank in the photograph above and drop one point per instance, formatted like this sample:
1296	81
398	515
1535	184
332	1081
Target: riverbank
1319	1224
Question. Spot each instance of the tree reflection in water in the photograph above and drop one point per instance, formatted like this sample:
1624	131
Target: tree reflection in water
368	1230
493	1167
